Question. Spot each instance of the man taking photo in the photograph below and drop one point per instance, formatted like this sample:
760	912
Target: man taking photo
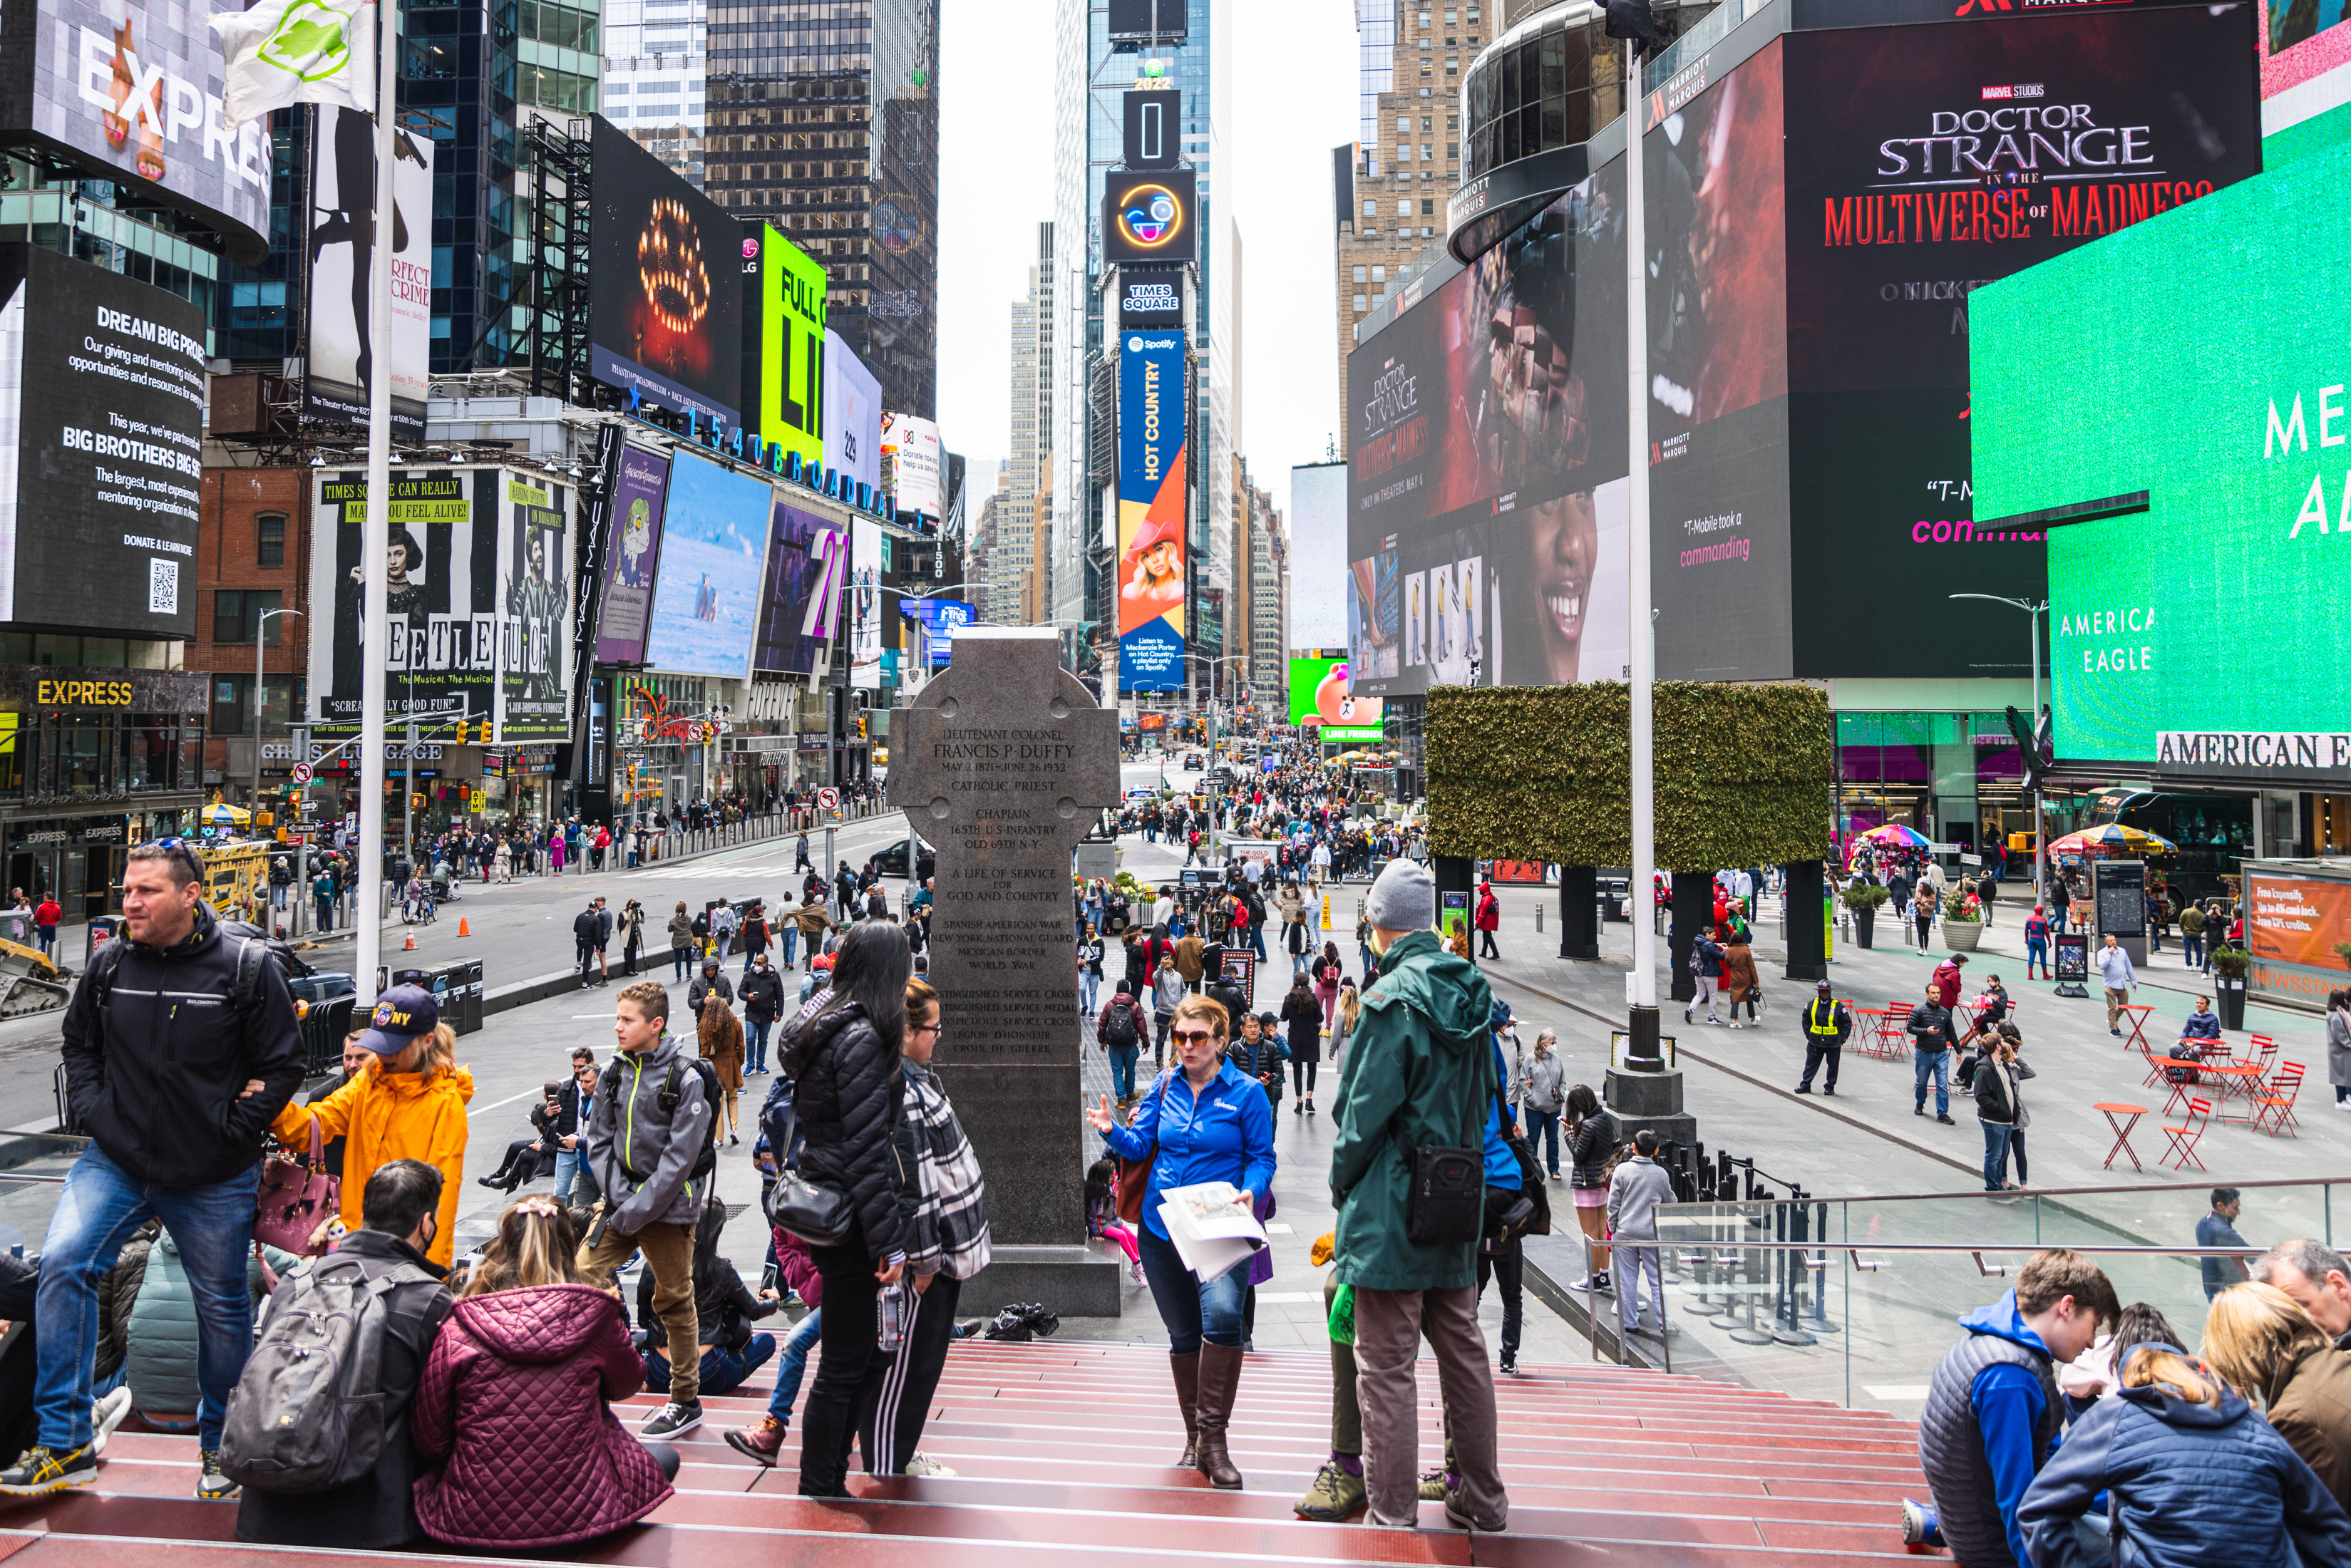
166	1030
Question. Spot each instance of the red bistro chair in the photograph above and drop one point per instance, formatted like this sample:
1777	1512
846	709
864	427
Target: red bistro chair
2183	1140
2273	1111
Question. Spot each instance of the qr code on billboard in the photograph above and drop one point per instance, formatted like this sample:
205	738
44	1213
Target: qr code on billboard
162	586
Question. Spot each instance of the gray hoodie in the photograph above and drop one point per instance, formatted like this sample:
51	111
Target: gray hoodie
1635	1192
1543	1078
638	1150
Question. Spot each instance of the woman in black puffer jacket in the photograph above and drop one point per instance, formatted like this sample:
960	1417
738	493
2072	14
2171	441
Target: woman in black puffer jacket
847	1084
1589	1150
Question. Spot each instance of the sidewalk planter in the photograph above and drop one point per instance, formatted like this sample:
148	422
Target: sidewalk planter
1862	921
2229	999
1962	936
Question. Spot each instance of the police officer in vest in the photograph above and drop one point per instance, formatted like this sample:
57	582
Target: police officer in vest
1826	1024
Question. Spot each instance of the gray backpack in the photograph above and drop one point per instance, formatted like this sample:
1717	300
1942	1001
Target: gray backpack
308	1413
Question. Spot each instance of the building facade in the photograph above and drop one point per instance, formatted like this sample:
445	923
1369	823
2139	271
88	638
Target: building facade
656	59
1026	570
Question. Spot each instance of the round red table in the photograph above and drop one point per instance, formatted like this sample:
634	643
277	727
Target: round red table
2122	1131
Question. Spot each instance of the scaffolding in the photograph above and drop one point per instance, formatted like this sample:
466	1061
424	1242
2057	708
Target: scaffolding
561	219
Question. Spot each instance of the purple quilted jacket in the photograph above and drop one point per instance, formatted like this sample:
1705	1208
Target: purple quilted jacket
512	1414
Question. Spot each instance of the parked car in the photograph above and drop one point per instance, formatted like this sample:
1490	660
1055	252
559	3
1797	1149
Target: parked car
891	862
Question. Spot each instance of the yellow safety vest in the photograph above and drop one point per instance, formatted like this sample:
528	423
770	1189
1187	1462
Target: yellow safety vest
1819	1022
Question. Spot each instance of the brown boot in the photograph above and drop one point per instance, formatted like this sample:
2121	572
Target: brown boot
1221	1378
1185	1369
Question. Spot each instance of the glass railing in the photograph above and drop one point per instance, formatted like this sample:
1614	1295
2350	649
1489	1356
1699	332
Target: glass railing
1855	1300
33	1168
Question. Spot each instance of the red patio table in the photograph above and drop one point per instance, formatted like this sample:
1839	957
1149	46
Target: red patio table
2122	1131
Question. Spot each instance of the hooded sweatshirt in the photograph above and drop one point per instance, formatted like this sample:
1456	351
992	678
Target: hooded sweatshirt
1990	1419
384	1116
2193	1485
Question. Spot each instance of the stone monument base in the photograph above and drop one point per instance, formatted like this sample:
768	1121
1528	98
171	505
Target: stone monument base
1076	1281
1651	1100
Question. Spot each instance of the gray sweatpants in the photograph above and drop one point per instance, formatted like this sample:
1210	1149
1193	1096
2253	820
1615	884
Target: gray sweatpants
1389	1326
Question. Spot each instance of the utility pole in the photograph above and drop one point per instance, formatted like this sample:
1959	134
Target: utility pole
1641	983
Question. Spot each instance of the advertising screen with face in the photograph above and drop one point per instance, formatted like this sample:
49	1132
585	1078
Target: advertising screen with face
1151	217
633	551
101	446
534	657
707	586
807	581
130	90
666	302
1152	511
342	352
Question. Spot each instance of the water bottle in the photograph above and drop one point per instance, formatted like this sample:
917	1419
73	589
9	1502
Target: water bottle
890	1312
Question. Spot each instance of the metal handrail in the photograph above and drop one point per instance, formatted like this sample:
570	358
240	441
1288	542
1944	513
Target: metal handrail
2036	1192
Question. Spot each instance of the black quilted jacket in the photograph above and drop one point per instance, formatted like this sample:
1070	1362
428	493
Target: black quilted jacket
848	1087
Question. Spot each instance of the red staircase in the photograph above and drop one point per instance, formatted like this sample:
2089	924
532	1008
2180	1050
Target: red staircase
1064	1448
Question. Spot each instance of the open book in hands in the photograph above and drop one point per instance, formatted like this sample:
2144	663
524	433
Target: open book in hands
1212	1228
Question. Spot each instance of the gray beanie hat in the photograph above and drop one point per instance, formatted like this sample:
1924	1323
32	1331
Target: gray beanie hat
1403	899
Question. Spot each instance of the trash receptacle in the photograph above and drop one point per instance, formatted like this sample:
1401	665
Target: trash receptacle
473	985
103	929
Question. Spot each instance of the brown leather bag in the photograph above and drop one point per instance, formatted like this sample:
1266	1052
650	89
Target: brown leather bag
1134	1176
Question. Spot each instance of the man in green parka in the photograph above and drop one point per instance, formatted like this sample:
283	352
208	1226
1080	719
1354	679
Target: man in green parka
1420	1071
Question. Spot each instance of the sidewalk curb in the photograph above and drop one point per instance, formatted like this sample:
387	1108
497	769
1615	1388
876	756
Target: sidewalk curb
1808	1101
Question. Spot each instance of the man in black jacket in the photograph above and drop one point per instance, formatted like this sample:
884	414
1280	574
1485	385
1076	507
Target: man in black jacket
1930	1028
165	1031
585	940
398	1213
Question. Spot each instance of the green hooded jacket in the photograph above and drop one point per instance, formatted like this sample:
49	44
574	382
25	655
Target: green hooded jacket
1419	1062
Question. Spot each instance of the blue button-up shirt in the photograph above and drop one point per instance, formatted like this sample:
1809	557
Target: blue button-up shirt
1223	1133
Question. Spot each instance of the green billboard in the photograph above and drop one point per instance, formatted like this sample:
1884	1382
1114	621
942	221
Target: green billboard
783	344
2199	358
1318	696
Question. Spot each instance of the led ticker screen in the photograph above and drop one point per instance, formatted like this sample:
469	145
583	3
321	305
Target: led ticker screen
1152	492
2206	632
1151	216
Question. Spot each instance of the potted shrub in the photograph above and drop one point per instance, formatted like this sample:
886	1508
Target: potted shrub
1962	921
2230	967
1865	899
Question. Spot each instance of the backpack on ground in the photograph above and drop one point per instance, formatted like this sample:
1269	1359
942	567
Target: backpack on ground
1120	1027
307	1412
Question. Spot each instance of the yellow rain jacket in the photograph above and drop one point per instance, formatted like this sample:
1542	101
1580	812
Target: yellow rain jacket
384	1116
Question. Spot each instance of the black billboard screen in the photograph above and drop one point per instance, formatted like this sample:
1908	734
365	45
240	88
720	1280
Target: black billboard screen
1151	297
1155	127
1140	21
102	402
1486	481
665	301
1153	216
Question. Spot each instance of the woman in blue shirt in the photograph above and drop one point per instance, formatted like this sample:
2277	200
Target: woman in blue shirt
1204	1121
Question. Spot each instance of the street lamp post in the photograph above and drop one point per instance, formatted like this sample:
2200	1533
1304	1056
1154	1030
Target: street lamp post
1641	983
2031	730
260	642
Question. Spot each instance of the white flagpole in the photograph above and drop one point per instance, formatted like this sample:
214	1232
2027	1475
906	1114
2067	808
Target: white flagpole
376	535
1643	996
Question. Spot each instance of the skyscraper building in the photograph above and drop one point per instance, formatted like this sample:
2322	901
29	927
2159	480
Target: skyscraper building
1090	77
1018	574
823	119
655	54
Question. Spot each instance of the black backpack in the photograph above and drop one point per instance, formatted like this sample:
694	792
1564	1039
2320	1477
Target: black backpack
672	1089
1120	1026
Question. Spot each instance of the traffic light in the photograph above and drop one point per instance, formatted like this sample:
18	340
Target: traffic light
861	726
486	732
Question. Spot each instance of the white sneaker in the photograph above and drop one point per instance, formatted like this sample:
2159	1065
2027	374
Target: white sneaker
923	1465
105	1416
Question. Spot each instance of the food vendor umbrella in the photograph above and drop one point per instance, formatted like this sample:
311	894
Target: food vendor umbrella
2114	838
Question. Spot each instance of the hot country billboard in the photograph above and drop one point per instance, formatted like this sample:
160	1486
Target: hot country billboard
1150	511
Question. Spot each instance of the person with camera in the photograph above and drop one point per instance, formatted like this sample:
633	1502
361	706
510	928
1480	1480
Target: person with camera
1419	1083
1204	1121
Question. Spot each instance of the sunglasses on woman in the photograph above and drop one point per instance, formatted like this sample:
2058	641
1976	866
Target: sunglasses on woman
1191	1035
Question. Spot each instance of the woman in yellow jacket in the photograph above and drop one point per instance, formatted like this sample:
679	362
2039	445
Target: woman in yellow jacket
409	1104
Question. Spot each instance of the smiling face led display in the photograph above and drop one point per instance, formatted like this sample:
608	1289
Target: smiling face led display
1151	215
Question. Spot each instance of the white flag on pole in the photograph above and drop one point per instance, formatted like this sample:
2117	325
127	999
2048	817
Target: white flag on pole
298	51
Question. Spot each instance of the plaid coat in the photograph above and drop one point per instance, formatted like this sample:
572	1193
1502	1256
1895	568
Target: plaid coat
950	1233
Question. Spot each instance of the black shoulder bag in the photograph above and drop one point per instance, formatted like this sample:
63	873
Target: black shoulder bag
1446	1205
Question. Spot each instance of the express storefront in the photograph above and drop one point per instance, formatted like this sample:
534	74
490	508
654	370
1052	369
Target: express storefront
91	762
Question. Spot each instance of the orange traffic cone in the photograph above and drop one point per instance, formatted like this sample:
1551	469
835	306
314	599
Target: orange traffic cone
409	946
462	929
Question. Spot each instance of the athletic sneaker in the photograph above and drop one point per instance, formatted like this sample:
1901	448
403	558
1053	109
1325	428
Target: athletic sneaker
211	1485
1433	1485
761	1442
923	1465
40	1471
105	1416
671	1420
1334	1497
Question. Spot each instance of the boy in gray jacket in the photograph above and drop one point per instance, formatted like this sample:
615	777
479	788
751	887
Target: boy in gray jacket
647	1137
1637	1189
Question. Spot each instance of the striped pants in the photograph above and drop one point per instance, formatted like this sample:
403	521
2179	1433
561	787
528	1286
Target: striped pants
892	1426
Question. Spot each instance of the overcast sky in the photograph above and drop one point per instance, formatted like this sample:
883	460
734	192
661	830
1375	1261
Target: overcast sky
1293	102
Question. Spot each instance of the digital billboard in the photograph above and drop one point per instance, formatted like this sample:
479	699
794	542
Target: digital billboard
852	413
1318	556
799	609
707	586
783	344
631	555
1318	697
1486	530
1949	157
662	318
130	90
1153	495
942	618
1151	216
479	597
1134	21
866	608
341	355
1151	299
101	447
911	449
2204	633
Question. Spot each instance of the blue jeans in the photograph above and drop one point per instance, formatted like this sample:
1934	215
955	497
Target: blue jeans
1543	1125
1089	988
756	1030
682	961
96	1211
1121	1069
2191	949
1257	942
787	943
567	1171
1192	1308
792	1366
1937	1065
1996	1141
723	1370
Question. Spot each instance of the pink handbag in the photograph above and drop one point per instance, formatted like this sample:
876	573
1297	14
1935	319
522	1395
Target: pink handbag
296	1194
